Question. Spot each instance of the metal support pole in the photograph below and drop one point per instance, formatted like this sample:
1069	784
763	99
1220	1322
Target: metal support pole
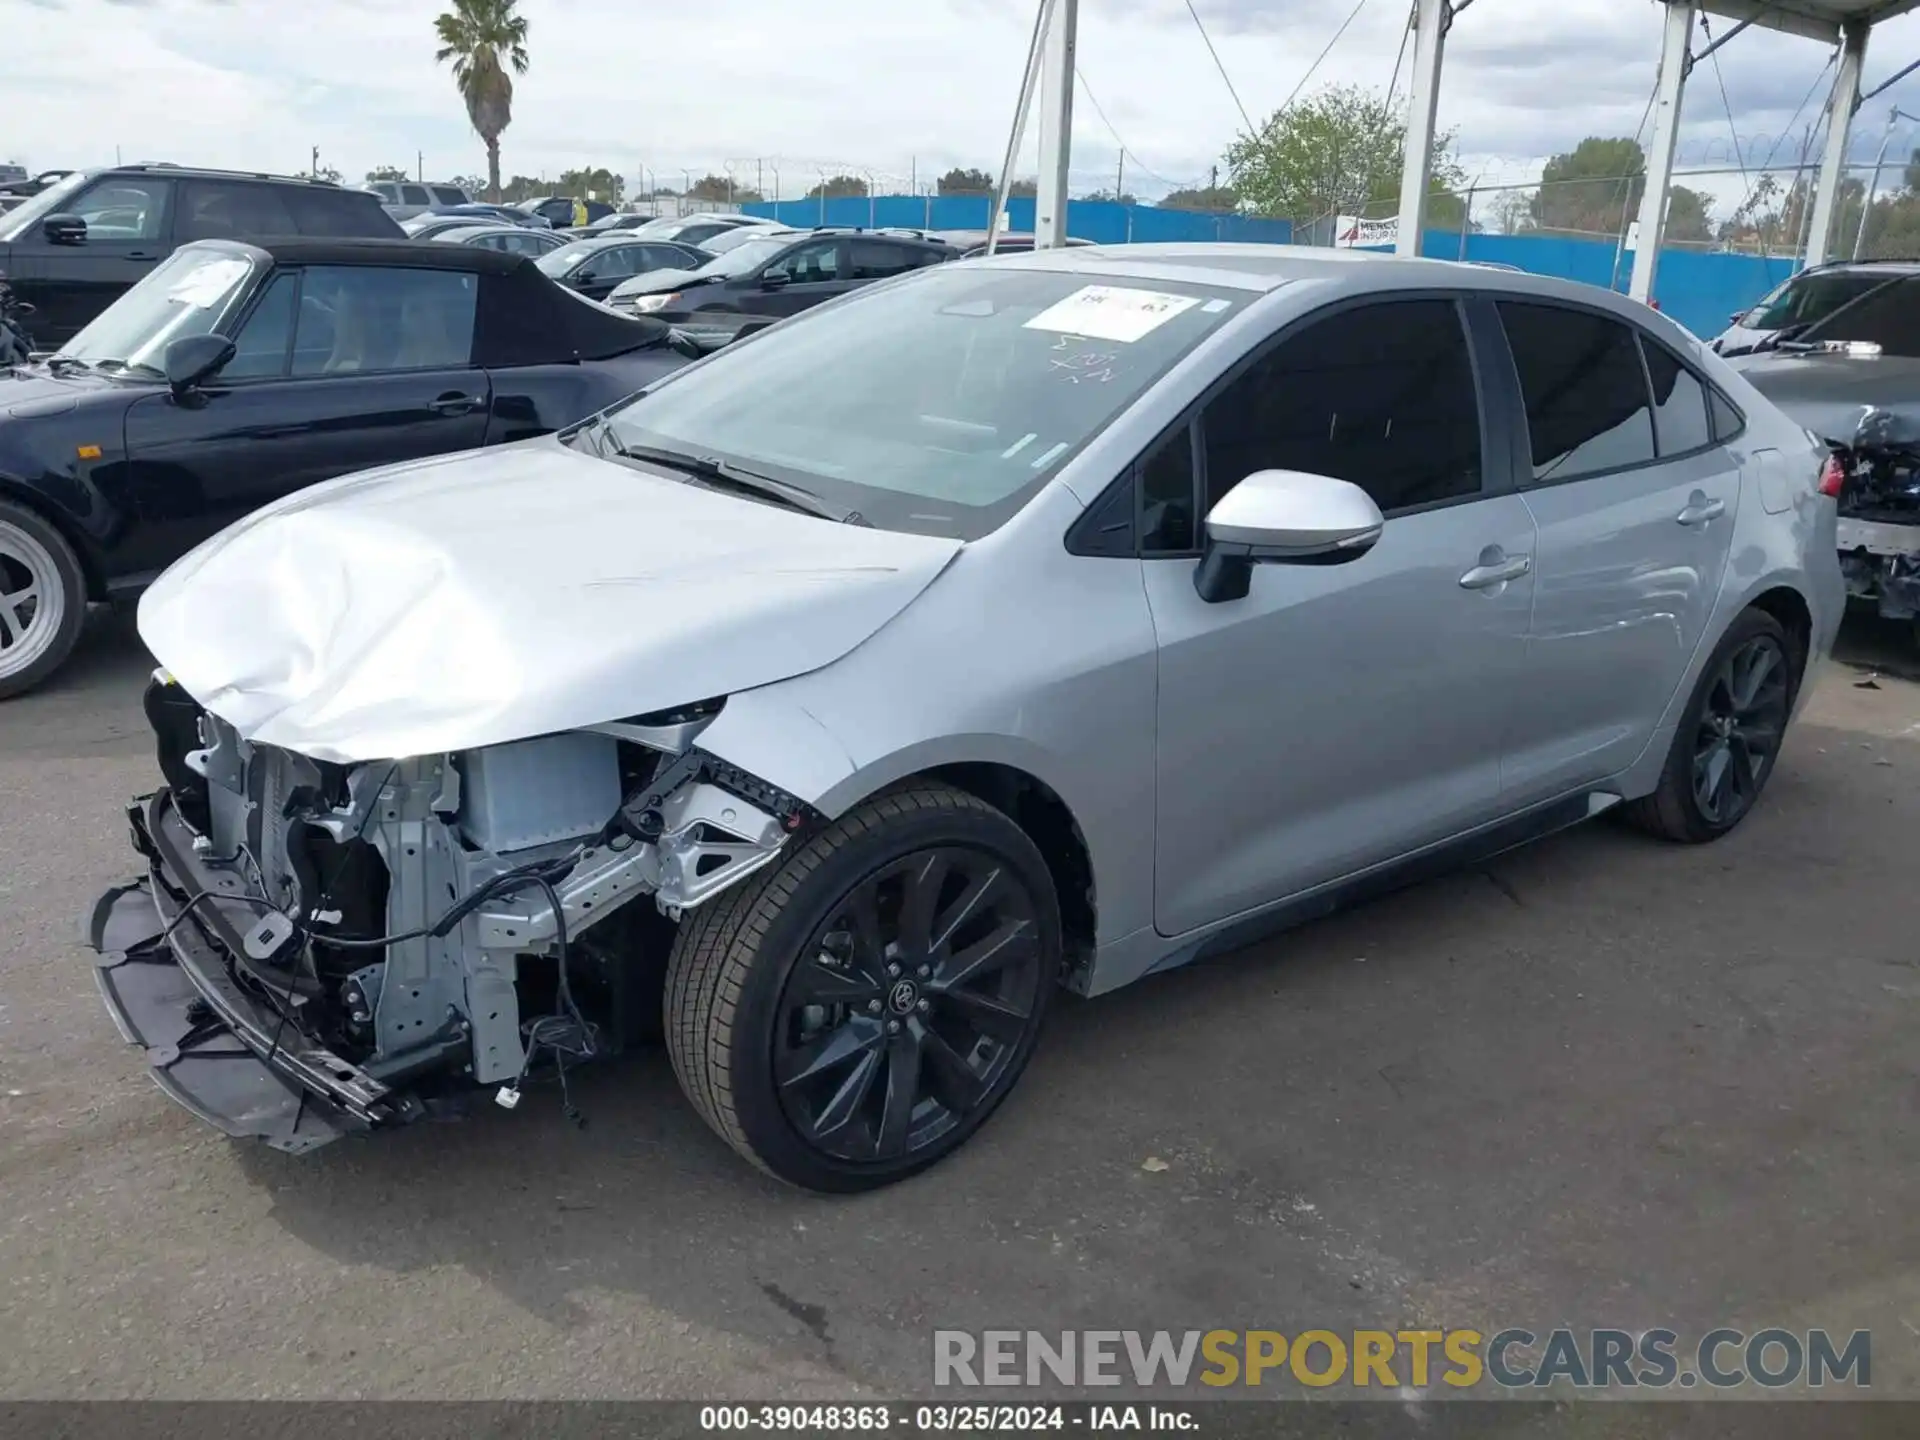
1873	185
1668	90
1423	108
1833	160
1056	125
1028	83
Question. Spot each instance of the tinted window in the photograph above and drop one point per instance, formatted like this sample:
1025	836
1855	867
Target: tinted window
1679	402
224	209
1166	496
260	348
388	192
122	209
317	210
1727	421
875	259
665	257
1382	396
447	195
1888	317
808	264
1585	392
414	195
616	263
357	319
1807	298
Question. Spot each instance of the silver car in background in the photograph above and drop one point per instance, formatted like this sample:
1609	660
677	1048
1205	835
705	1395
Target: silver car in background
1053	620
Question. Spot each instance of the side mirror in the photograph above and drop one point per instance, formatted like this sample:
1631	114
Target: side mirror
775	281
192	359
582	277
64	230
1283	517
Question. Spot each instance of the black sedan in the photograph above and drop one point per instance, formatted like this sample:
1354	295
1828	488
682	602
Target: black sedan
234	374
594	266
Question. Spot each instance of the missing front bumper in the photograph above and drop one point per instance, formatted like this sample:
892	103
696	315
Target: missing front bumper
210	1044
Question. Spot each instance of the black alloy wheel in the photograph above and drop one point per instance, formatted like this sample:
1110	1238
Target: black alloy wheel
854	1013
1740	728
1728	740
908	1004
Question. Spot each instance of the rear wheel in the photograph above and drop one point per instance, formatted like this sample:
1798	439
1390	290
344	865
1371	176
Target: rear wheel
1729	738
858	1014
43	599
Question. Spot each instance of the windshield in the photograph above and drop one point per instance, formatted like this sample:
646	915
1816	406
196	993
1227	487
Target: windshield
1807	298
48	202
952	396
188	293
736	237
1887	316
746	255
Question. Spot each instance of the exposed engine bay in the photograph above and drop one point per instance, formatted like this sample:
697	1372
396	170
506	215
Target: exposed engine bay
382	936
1879	513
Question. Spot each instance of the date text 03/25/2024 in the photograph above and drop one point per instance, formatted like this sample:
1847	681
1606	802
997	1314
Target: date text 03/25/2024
939	1419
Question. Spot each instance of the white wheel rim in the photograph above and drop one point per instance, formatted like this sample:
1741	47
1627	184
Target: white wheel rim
32	600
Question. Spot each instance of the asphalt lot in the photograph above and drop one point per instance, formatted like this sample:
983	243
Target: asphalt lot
1604	1082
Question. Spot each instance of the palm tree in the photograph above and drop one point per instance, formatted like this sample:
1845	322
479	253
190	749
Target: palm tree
485	39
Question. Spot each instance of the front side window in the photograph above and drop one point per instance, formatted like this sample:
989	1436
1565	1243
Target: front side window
1382	396
414	195
953	396
260	349
189	293
1166	496
54	200
615	263
366	319
1585	392
809	264
123	209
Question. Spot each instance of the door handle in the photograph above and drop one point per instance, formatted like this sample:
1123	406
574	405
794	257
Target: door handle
1700	510
456	404
141	255
1485	577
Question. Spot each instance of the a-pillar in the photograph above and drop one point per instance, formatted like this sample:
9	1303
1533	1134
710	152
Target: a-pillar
1833	159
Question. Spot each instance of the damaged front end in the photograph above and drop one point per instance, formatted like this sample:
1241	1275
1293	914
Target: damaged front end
1878	528
320	948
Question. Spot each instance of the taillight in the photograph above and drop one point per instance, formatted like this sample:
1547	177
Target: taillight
1833	478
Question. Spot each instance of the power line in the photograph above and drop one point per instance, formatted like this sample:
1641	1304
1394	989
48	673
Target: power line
1246	119
1713	54
1413	16
1351	14
1138	163
1788	129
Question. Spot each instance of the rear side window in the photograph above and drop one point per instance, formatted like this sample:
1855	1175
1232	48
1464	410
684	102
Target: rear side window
1727	421
447	195
414	195
232	209
1679	402
336	214
876	260
1585	391
1382	396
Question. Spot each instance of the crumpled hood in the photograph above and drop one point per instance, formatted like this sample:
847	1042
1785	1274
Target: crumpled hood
474	599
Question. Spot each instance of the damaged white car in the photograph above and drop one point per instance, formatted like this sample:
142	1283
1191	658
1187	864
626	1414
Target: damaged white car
825	707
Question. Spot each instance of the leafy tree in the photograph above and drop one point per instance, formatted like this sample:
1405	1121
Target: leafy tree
1513	212
325	172
593	183
521	187
1023	189
1111	198
472	184
485	39
1591	187
719	188
1205	197
838	186
966	182
388	172
1339	151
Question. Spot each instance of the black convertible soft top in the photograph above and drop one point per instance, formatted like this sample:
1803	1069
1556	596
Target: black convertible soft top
523	318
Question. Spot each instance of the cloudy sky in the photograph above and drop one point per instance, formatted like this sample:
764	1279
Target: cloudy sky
773	87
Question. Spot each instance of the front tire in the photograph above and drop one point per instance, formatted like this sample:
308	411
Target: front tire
1729	737
855	1015
43	599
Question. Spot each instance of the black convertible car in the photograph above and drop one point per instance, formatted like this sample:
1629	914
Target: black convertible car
236	373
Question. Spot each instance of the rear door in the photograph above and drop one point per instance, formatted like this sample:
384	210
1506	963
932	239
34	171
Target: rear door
1635	504
338	369
127	217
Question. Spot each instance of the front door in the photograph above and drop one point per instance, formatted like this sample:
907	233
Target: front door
69	284
337	369
804	276
1635	503
1339	715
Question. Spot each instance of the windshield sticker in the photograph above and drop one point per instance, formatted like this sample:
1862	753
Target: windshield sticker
1111	312
206	285
1214	307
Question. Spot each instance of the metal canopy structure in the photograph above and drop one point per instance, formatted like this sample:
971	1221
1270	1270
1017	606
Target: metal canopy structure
1845	23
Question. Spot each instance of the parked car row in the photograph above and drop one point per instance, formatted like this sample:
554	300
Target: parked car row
1334	567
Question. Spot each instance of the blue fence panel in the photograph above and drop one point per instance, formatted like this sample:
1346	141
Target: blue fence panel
1101	221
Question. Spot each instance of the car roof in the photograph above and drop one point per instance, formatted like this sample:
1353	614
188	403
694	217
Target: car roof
467	232
204	172
414	253
1901	266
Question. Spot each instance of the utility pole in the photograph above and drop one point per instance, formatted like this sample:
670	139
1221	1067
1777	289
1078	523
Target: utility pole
420	166
760	177
1120	179
313	163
